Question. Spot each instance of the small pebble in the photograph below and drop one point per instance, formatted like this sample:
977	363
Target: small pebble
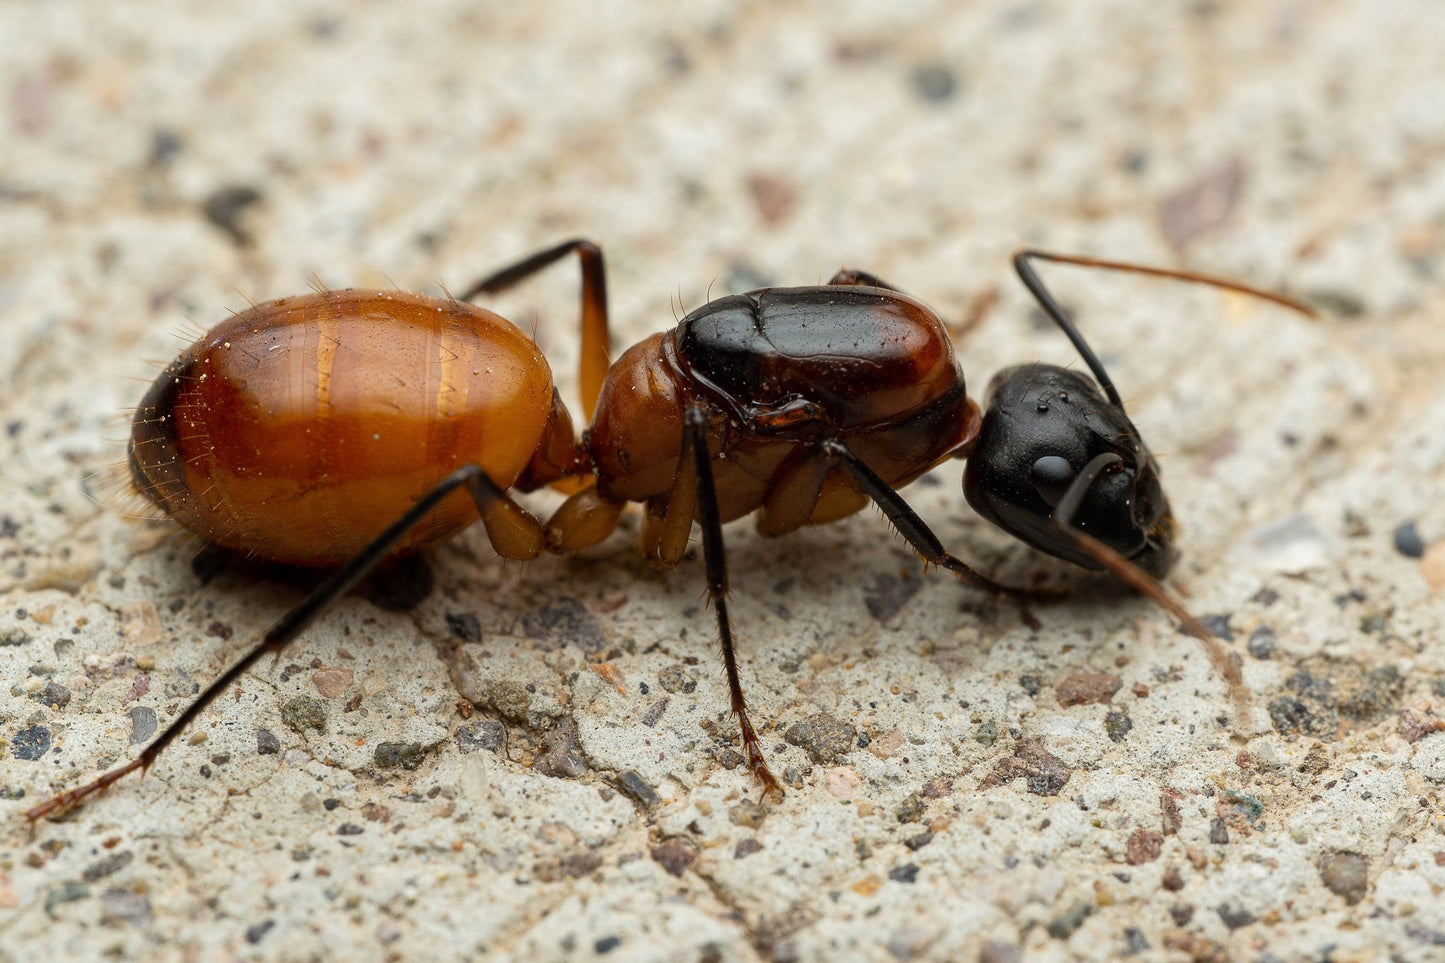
488	734
1408	541
1087	688
907	873
398	755
674	855
257	933
934	83
823	737
266	743
1346	875
31	743
142	724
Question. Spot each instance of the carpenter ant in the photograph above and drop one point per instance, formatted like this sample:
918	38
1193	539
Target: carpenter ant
339	428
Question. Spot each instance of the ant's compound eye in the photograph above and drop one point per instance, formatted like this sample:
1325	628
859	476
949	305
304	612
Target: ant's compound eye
1051	476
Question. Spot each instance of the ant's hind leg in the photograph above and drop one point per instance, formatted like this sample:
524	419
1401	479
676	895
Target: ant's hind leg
593	363
715	555
506	522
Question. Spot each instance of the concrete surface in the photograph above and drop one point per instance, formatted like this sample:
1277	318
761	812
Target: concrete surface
965	788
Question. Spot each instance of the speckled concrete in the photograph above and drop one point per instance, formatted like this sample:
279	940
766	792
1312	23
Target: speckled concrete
964	787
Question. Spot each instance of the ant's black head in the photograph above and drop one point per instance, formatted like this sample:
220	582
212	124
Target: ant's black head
1051	437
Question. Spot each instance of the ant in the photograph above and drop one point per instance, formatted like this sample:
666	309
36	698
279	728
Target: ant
341	428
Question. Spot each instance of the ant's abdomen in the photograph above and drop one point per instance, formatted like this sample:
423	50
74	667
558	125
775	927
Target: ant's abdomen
297	430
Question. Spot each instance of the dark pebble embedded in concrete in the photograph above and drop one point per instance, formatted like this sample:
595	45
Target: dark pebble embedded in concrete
1262	642
1117	725
142	724
1291	716
561	756
675	678
912	808
674	855
746	847
907	873
637	789
266	743
31	743
399	755
823	737
224	208
1181	913
1218	832
934	83
113	863
578	865
1134	941
1063	926
54	694
1346	875
304	712
653	714
1408	541
1235	917
465	626
1044	772
916	843
349	829
563	621
606	945
257	933
488	734
1031	684
1218	626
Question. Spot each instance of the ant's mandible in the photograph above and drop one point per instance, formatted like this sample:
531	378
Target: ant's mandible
339	428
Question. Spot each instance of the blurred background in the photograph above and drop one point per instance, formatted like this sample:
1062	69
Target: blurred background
163	165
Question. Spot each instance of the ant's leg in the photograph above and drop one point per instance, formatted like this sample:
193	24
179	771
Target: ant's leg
848	277
918	534
511	528
1141	581
593	365
1061	318
715	555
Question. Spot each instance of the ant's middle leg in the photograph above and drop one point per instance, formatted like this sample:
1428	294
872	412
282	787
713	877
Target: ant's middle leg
695	424
593	364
